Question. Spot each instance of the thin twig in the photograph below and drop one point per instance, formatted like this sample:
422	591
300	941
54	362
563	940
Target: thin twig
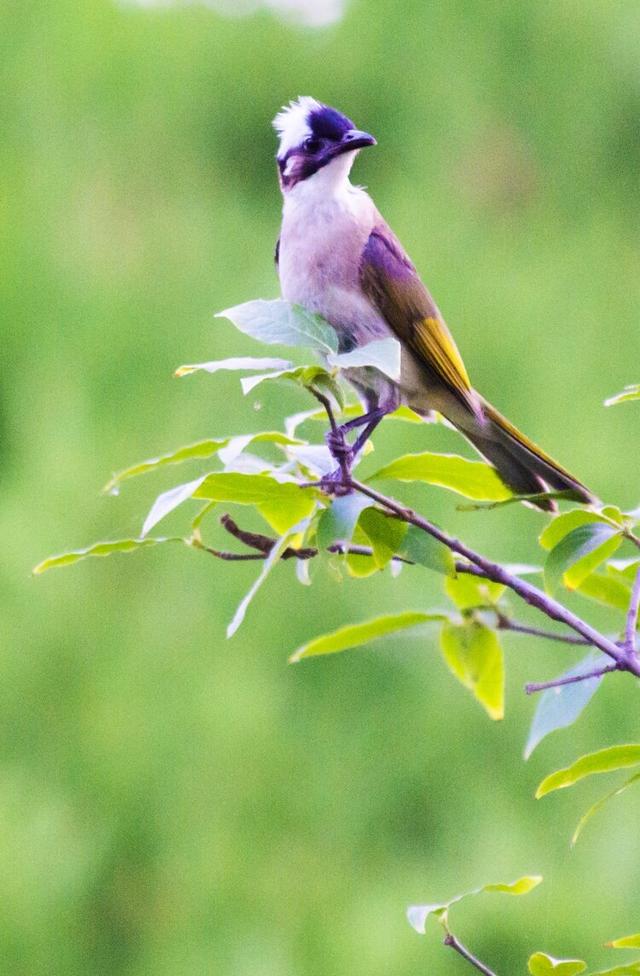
504	623
632	618
451	940
573	679
529	593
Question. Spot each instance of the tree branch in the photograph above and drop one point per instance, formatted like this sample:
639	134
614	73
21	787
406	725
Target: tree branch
451	940
530	594
505	623
632	618
573	679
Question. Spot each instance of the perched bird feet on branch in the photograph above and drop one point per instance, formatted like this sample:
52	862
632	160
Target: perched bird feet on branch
337	482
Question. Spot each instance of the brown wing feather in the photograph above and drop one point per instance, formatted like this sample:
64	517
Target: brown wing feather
392	283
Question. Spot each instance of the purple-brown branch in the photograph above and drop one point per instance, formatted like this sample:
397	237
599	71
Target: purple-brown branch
632	618
451	940
572	679
535	597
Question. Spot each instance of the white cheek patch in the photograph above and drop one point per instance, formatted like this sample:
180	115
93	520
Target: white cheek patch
289	168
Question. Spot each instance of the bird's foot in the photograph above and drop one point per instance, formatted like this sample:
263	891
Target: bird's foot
338	481
335	484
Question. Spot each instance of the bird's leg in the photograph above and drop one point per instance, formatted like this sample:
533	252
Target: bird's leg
345	453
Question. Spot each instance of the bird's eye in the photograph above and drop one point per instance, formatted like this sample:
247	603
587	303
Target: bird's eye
312	145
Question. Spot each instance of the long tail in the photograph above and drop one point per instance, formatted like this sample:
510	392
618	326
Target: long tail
521	464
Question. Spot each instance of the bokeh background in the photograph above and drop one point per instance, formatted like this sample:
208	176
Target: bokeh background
175	803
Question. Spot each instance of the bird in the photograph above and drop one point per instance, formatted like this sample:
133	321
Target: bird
337	257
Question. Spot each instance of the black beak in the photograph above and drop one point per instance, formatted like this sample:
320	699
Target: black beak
355	139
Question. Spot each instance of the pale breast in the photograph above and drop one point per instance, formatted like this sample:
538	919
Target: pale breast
321	244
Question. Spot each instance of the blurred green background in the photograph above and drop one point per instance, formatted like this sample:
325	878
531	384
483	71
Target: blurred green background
173	803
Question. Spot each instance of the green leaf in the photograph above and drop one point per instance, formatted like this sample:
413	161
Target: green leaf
579	553
602	761
417	915
267	566
540	964
382	354
385	534
624	570
596	807
474	655
282	503
99	549
473	479
469	592
355	635
198	452
559	707
629	393
235	363
563	524
424	550
338	522
277	322
304	376
360	567
627	941
168	501
607	590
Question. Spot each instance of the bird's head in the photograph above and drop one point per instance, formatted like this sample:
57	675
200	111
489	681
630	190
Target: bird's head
312	137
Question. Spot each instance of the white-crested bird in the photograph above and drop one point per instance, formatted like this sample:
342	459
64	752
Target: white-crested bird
337	257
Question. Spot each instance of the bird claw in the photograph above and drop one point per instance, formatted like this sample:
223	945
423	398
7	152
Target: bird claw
340	450
334	484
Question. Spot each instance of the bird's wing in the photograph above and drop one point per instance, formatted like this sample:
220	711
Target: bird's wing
391	282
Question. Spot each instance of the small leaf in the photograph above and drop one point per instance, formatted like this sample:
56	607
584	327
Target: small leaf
267	566
338	522
198	452
473	479
278	322
624	569
563	524
602	761
417	915
235	363
282	503
627	941
168	501
424	550
383	354
559	707
474	655
98	549
520	887
355	635
629	393
305	376
599	805
579	553
385	534
540	964
607	590
469	592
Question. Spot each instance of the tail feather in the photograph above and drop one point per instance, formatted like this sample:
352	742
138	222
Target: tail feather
521	464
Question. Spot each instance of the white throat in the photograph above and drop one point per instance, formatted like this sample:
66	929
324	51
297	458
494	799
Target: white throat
331	182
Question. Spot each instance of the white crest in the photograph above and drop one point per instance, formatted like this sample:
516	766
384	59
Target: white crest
291	123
